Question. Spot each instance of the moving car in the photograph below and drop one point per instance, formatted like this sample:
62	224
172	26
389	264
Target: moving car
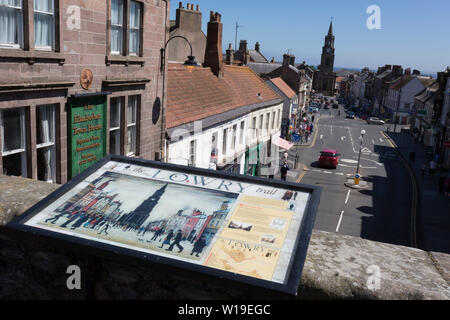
329	158
350	115
374	120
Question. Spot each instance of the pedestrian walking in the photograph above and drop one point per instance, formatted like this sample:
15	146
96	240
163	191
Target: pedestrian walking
284	169
198	246
423	169
176	242
157	234
167	239
433	165
105	229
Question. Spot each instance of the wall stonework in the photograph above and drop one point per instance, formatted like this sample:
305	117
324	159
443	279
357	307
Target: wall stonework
336	267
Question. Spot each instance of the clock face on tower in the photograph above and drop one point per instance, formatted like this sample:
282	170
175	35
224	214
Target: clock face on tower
328	50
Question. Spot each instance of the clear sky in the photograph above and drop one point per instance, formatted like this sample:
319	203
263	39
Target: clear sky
414	33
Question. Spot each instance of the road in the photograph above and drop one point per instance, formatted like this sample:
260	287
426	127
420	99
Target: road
380	212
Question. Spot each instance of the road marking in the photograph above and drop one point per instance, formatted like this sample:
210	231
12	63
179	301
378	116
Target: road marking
381	140
343	138
349	161
339	222
321	136
365	150
348	194
328	172
351	138
315	170
339	173
373	141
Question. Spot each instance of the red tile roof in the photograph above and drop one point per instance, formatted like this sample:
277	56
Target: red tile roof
197	93
283	87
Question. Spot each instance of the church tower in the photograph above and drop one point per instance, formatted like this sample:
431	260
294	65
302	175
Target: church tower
325	78
137	217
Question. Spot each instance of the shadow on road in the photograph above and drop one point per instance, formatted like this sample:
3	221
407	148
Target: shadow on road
389	215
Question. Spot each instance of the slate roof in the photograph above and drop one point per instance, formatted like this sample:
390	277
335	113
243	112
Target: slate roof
403	81
263	68
257	56
428	93
280	84
384	74
198	94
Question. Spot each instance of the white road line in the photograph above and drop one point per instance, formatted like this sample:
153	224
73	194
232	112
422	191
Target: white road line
348	194
339	222
351	138
339	173
315	170
381	140
328	172
373	142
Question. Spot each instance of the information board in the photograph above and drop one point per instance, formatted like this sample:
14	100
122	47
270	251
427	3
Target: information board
86	132
243	228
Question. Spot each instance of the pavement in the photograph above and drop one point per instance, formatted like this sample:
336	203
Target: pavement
433	214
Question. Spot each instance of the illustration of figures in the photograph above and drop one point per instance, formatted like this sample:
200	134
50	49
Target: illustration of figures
168	238
56	218
157	234
83	218
176	242
105	229
74	215
199	245
191	235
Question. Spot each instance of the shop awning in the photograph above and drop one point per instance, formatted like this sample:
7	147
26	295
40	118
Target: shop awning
283	144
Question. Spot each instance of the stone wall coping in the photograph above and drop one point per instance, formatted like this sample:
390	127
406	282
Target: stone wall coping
337	266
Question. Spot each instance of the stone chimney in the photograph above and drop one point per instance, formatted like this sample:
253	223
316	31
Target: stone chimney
257	46
387	67
286	60
292	61
397	71
188	19
416	72
243	46
408	72
229	55
273	60
213	52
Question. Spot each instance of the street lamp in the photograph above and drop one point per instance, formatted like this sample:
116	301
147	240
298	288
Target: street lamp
190	63
363	132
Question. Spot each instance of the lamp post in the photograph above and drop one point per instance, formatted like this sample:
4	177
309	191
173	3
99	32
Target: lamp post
363	132
190	63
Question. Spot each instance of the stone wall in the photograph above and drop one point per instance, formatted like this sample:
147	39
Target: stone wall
336	267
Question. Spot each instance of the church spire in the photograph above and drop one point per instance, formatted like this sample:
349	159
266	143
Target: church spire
330	30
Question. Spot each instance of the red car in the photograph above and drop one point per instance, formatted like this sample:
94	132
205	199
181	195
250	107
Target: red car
329	158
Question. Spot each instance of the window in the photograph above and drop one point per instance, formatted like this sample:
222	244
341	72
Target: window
116	26
214	149
278	118
11	23
234	137
241	133
135	28
114	125
267	122
45	143
133	102
261	120
273	120
254	127
44	24
13	142
192	151
224	145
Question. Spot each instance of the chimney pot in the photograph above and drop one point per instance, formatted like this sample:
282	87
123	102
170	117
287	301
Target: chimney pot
198	8
180	5
257	46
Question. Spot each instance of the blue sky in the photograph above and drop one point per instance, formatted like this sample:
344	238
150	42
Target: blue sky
414	33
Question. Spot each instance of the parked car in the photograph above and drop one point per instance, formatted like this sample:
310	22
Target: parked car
313	109
374	120
350	115
329	158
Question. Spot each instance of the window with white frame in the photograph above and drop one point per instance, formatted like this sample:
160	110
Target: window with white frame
133	104
192	151
254	128
273	121
45	143
278	118
13	142
214	149
241	133
44	24
114	125
117	26
267	122
135	28
224	145
261	120
234	137
11	23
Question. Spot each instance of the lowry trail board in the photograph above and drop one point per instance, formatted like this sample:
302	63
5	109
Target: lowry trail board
232	225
